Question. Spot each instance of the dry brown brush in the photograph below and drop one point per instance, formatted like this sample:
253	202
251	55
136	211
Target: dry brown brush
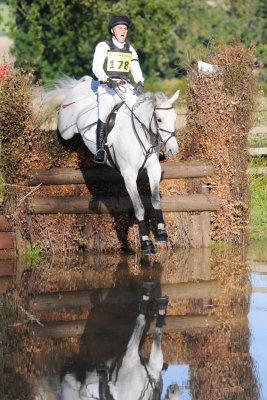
220	114
16	117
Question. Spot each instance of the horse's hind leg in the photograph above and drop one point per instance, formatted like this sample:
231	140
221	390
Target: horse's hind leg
130	178
154	174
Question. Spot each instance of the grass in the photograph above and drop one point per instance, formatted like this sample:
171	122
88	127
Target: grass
262	85
167	86
34	254
258	212
258	183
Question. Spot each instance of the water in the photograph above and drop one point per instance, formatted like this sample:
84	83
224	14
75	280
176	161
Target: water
257	314
70	320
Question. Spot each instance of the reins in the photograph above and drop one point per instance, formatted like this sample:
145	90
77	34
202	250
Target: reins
150	150
148	130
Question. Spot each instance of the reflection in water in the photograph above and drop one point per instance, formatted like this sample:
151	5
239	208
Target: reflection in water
84	313
130	376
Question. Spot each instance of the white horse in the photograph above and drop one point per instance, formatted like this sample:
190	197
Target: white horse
122	378
129	378
132	144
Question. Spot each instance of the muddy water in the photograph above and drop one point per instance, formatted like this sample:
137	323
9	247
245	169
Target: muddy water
68	321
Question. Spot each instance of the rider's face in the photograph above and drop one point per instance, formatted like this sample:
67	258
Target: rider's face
120	32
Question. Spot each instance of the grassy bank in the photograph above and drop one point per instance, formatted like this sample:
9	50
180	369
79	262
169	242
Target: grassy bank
258	183
258	211
167	86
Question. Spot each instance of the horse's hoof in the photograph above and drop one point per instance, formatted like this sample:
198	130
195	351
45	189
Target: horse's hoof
162	303
148	288
147	247
161	236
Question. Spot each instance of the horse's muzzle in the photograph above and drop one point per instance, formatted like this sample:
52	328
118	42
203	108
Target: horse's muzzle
172	148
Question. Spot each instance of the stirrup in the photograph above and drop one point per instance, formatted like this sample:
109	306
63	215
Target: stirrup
100	156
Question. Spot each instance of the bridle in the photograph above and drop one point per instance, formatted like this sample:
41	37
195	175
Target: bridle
149	130
172	134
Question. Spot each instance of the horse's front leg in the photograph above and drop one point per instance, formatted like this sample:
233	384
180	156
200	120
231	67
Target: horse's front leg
133	345
154	175
155	362
130	179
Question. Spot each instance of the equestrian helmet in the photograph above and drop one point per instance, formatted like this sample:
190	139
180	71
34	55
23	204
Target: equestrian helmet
118	20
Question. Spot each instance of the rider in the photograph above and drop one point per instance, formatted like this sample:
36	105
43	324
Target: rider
113	60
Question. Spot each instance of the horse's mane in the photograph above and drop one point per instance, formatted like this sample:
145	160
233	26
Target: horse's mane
157	98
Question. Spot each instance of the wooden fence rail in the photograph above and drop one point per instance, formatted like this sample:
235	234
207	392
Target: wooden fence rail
65	176
123	295
118	205
83	327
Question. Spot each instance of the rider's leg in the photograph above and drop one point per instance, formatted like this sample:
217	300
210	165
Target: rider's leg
106	102
99	157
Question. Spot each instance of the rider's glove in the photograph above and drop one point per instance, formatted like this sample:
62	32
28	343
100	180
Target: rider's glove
111	83
140	87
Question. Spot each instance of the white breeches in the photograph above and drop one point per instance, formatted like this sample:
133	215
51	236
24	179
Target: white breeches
108	98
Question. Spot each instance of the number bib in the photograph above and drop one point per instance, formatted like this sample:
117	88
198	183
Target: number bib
118	63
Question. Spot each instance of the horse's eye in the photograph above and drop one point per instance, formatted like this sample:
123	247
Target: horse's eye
159	120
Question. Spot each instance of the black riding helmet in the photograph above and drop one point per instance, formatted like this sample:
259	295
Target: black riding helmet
118	20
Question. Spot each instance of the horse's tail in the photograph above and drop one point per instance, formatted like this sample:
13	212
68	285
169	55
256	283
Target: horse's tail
47	100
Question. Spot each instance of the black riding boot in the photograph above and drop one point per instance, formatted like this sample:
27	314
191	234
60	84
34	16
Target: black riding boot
100	138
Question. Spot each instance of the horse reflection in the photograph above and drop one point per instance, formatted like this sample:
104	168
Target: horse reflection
130	377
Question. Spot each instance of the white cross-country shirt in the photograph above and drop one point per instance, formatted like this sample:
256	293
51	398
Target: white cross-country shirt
101	52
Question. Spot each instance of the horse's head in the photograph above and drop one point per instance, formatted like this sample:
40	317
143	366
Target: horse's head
173	392
165	118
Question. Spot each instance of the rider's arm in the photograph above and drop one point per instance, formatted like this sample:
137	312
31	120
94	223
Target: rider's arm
135	67
98	61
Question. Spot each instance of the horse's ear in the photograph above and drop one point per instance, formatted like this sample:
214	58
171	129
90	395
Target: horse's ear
174	97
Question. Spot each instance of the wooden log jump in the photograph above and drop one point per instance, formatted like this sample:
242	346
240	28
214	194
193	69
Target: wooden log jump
198	229
122	295
118	205
66	176
83	327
